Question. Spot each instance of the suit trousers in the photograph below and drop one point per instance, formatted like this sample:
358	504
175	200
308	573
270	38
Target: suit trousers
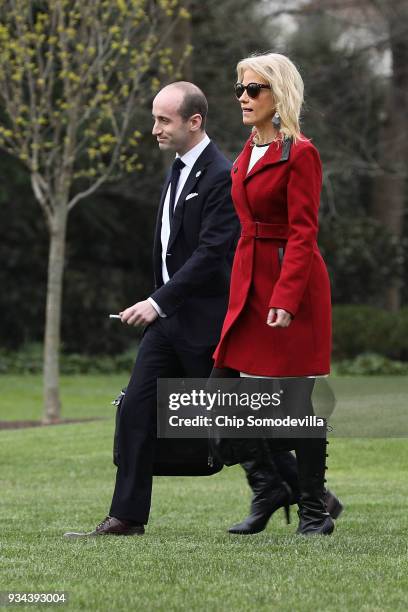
161	354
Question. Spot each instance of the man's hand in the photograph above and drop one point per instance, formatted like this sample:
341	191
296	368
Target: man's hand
277	317
141	313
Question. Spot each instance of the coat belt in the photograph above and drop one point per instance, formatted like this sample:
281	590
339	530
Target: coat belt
256	229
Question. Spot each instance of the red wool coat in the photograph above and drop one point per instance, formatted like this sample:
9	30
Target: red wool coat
278	264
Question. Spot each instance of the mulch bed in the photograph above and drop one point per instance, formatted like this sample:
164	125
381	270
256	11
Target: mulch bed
25	424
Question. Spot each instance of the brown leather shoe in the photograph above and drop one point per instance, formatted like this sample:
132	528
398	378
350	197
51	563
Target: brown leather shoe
110	526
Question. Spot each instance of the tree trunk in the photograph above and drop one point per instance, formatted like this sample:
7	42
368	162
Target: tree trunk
180	38
390	187
56	260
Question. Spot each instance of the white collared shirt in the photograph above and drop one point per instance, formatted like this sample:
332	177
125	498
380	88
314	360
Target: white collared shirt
189	160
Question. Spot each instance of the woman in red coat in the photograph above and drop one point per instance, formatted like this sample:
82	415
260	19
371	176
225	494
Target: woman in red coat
278	322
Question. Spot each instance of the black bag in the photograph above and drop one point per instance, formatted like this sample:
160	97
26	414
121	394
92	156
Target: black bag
231	451
174	456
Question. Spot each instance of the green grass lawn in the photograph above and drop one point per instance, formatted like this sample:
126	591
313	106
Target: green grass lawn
57	478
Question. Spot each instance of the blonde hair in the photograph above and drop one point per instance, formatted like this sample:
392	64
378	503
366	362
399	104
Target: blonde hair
287	88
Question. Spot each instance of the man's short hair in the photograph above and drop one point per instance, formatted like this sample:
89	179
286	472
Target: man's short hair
194	102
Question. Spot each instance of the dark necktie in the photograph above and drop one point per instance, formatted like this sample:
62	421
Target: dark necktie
176	168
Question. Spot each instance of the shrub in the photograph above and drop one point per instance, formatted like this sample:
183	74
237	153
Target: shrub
362	257
30	361
401	333
370	364
368	338
366	329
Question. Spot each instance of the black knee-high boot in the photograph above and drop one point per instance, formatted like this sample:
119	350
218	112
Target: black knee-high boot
270	493
313	515
286	465
262	479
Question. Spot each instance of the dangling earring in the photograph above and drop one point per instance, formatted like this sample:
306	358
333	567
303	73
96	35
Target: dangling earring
276	121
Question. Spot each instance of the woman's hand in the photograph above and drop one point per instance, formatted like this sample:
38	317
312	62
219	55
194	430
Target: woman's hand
277	317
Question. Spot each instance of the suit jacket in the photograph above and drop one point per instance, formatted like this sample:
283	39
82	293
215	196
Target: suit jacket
278	264
200	250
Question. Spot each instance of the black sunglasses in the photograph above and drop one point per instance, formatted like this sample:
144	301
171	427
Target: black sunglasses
253	89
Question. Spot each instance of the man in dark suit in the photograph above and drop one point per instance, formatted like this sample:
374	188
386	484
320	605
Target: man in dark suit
193	250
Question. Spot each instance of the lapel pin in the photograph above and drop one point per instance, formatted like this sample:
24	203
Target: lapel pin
198	173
